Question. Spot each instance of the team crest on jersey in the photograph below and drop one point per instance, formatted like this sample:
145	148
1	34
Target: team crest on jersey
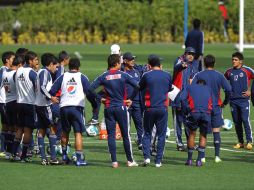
71	86
241	74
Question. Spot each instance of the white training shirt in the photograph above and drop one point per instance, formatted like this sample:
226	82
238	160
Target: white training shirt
9	85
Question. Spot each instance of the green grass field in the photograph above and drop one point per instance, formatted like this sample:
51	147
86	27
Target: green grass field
235	172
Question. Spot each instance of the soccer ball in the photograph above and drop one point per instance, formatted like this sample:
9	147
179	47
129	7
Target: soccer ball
92	130
228	124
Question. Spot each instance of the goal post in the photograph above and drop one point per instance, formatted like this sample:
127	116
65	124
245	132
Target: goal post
245	15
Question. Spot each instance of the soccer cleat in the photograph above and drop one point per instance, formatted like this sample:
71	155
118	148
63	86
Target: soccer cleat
81	163
132	164
65	159
180	147
249	146
55	162
203	160
44	162
188	163
158	165
2	154
217	159
14	158
93	122
146	162
140	147
239	145
198	163
115	165
26	160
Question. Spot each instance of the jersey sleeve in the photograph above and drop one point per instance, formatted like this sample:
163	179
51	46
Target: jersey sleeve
227	89
32	77
43	80
252	93
56	86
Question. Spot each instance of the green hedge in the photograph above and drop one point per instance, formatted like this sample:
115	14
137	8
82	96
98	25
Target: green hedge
104	21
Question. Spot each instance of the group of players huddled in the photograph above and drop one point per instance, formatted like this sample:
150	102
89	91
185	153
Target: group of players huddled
52	101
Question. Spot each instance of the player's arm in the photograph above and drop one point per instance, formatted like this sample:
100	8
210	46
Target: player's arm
184	101
252	93
94	85
180	64
32	77
227	89
91	97
56	86
130	80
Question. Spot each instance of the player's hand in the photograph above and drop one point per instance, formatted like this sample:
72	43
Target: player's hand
246	93
222	105
128	102
184	64
54	99
103	100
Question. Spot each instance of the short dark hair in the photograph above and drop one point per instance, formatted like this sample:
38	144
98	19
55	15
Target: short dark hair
74	63
201	81
7	55
113	59
154	60
21	51
30	55
209	61
48	58
18	60
238	55
63	55
196	23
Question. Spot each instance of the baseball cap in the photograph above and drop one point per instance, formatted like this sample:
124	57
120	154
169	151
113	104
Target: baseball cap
115	49
190	50
128	56
154	60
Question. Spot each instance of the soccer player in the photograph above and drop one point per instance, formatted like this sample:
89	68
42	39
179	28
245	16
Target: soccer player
74	88
11	101
216	81
240	77
198	108
43	104
25	84
156	84
185	67
195	39
7	59
114	82
135	109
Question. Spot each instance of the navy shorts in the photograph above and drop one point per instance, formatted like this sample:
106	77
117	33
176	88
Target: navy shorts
26	115
217	118
11	113
44	116
199	120
3	113
72	116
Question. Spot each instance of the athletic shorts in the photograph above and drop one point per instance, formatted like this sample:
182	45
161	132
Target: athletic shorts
199	120
11	113
44	116
217	118
72	116
26	115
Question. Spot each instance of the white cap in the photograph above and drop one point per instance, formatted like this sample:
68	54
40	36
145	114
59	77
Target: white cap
115	49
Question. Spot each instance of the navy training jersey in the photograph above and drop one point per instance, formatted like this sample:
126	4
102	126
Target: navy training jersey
130	89
155	85
240	80
114	83
215	80
195	39
197	98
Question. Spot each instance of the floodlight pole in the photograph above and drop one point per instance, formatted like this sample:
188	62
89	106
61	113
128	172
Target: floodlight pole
241	26
185	19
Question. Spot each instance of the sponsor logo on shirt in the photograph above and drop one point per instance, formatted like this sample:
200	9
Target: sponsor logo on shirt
241	74
113	77
21	77
71	86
